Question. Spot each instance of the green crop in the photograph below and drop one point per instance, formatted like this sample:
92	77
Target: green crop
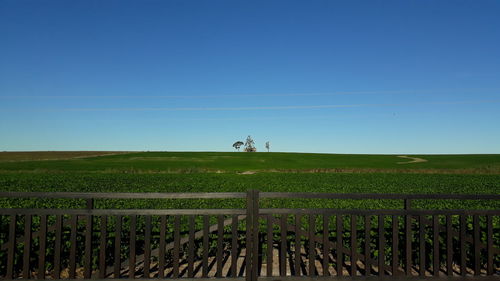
285	182
283	172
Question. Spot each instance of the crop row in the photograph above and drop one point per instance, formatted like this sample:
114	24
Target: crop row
285	182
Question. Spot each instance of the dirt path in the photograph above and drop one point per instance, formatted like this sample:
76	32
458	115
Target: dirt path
247	173
413	160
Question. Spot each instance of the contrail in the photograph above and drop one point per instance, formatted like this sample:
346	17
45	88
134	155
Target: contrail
202	96
214	108
259	108
391	92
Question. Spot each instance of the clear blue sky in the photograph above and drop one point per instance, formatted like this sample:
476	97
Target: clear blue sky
312	76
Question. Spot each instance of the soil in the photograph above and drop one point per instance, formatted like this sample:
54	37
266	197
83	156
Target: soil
413	160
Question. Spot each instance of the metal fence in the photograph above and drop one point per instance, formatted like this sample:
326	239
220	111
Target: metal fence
251	243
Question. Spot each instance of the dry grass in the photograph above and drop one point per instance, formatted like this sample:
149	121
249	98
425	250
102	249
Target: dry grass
51	155
471	171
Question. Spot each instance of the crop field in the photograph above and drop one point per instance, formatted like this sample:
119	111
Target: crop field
239	172
217	172
224	162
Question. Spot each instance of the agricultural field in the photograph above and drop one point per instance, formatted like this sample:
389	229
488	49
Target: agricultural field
217	172
239	172
230	162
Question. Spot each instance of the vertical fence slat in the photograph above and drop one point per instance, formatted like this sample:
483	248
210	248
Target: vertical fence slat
177	222
255	234
57	247
449	245
395	246
102	247
298	245
117	252
72	251
147	247
326	244
205	246
435	244
220	245
191	247
339	246
234	245
477	249
161	252
88	248
463	226
354	246
477	241
283	245
421	240
11	247
381	246
489	237
132	248
408	240
43	243
248	256
269	261
312	245
368	227
27	247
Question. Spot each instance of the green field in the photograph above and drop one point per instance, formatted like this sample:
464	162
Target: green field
216	172
230	162
220	172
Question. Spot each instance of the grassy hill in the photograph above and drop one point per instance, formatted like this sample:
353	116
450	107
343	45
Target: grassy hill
192	162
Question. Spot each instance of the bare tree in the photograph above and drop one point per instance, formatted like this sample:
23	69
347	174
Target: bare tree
250	145
267	146
237	145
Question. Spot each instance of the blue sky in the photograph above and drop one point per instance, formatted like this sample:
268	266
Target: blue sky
308	76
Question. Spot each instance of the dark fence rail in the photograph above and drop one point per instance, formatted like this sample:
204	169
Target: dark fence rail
252	243
395	196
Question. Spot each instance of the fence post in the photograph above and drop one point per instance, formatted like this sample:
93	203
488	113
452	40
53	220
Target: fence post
407	204
90	203
252	239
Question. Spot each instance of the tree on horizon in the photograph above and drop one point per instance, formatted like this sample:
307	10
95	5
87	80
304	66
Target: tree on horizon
250	145
237	145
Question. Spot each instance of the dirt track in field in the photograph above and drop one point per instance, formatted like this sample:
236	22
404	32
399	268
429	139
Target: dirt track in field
413	159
